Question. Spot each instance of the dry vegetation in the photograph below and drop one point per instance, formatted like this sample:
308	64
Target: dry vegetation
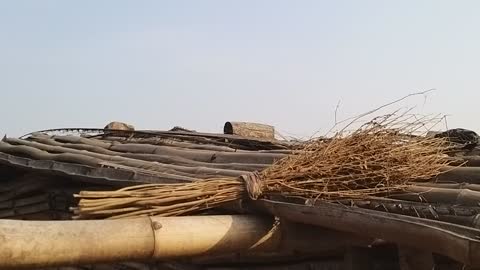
380	157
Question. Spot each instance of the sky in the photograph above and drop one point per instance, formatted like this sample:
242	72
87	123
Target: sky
197	64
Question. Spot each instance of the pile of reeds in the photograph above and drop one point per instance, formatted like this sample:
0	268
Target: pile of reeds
382	156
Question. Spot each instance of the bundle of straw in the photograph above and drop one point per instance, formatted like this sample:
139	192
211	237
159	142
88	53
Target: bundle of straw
383	156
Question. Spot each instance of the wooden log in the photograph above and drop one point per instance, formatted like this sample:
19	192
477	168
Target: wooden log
197	137
203	156
151	141
475	187
191	163
470	221
440	195
448	213
252	130
230	138
173	160
193	140
100	159
469	161
417	209
461	174
118	177
28	244
35	153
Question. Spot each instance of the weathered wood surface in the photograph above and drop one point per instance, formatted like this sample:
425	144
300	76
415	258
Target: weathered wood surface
95	156
469	161
250	130
475	187
457	242
41	151
118	177
167	159
238	142
440	195
461	174
417	209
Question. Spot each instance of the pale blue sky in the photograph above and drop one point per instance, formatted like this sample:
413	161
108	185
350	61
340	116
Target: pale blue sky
156	64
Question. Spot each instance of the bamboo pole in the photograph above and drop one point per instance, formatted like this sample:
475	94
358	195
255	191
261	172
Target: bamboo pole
203	156
30	244
130	162
152	141
166	159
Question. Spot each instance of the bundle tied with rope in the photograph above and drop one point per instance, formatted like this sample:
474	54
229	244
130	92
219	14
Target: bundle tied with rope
381	157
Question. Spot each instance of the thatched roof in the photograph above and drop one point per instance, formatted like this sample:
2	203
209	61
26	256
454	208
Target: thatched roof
41	172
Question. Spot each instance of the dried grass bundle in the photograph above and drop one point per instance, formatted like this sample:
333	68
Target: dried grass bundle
380	157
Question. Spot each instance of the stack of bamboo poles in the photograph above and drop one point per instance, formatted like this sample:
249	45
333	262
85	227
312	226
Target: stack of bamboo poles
171	158
31	196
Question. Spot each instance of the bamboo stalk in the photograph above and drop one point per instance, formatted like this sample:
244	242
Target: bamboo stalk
29	244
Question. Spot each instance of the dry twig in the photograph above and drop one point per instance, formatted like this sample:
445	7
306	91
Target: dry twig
382	156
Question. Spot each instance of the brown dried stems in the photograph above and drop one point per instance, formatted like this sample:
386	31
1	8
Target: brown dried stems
380	157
